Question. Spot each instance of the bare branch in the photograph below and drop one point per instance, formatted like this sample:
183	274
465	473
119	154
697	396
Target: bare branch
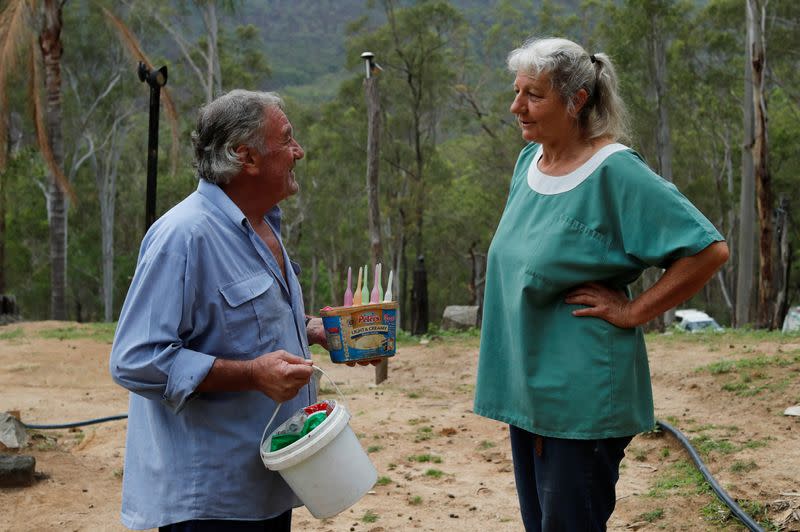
113	81
73	171
184	47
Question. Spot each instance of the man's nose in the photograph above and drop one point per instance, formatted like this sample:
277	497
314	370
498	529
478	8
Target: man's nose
299	152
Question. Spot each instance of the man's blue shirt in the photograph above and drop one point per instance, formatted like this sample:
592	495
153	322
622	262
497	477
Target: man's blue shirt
206	286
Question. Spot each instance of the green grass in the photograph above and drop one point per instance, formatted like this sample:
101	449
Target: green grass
383	481
706	444
424	434
423	458
720	515
680	478
374	448
651	516
370	517
416	500
752	379
729	366
434	473
102	332
486	444
743	467
13	334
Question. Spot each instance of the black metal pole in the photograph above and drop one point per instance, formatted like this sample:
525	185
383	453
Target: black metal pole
156	79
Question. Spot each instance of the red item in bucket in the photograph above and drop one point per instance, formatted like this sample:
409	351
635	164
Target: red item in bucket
319	407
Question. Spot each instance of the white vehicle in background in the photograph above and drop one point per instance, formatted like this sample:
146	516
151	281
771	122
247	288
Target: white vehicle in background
691	320
791	323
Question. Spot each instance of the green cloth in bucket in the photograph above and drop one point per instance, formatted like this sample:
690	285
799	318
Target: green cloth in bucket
284	440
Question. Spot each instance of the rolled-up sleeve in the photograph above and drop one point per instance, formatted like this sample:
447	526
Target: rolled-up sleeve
148	356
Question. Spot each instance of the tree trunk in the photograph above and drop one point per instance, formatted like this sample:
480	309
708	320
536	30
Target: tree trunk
5	149
784	264
746	255
478	279
312	300
106	181
373	156
213	71
766	295
658	67
374	212
51	46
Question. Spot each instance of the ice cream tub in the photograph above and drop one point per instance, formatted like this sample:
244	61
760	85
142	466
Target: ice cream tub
362	332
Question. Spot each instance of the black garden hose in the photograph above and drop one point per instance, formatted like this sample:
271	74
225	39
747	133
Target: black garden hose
723	496
77	423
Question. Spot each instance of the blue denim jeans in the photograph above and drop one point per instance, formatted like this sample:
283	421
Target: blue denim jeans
281	523
565	485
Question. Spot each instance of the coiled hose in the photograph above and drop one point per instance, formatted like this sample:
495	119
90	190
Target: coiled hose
735	509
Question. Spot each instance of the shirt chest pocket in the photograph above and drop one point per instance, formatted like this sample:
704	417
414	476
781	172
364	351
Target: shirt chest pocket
247	305
565	253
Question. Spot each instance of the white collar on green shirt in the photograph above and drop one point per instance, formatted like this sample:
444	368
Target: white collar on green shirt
550	185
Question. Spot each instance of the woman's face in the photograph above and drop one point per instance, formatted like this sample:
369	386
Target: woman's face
540	111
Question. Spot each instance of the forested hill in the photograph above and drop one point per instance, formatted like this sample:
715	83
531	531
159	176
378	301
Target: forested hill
304	40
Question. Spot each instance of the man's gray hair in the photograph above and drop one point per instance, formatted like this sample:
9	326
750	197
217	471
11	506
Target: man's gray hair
232	120
570	69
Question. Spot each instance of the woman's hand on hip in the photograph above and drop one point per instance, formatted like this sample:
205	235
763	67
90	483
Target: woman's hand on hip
602	302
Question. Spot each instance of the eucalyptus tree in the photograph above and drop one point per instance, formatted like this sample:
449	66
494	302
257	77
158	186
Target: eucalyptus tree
101	96
782	39
419	47
764	199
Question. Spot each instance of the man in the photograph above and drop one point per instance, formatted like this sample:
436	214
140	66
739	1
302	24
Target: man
213	333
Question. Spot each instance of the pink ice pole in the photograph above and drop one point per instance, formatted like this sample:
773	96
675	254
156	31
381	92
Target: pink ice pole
375	296
348	294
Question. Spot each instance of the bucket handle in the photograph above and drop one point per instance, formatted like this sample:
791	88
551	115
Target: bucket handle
318	372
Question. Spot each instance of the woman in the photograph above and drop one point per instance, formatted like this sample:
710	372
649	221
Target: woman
562	356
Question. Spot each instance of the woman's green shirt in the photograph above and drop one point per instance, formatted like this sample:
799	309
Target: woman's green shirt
541	368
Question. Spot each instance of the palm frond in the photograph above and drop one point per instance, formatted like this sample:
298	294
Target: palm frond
15	27
41	130
3	128
131	43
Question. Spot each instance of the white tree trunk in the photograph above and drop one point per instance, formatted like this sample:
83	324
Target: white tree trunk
747	213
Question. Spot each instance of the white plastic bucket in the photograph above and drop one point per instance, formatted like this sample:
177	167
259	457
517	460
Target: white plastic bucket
327	468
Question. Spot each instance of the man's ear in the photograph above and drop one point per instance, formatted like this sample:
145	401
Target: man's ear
243	152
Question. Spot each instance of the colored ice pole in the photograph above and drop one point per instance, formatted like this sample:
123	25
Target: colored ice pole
375	296
388	295
348	294
357	293
380	282
365	287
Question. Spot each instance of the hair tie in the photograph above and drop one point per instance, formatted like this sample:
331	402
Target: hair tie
593	59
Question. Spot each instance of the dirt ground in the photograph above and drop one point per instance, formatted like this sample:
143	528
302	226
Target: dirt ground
734	415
